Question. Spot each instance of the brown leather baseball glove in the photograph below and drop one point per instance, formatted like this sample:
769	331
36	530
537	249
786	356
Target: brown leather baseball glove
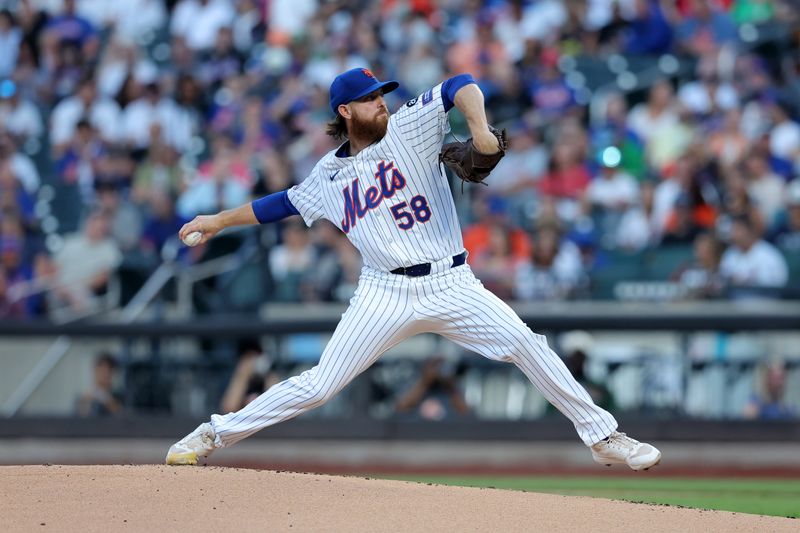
468	163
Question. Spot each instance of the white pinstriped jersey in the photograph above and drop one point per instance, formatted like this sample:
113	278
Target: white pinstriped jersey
394	203
392	199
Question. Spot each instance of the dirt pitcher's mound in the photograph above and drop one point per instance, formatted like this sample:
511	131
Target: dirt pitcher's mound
161	498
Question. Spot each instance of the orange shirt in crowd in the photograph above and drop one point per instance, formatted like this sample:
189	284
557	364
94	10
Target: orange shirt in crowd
476	239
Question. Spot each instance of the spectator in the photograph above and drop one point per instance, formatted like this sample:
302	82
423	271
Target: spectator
494	265
15	273
770	402
223	61
577	347
516	177
10	39
222	183
649	119
101	399
125	220
671	142
161	223
114	169
249	26
784	136
728	144
102	113
288	18
158	175
151	118
648	33
68	28
525	162
478	51
19	116
291	262
13	196
707	94
612	130
189	113
32	21
566	180
133	20
436	394
252	376
613	192
337	266
550	95
764	187
786	235
20	164
554	270
25	262
703	279
85	264
750	262
681	227
116	71
688	181
706	29
78	163
256	73
199	21
492	212
736	202
638	227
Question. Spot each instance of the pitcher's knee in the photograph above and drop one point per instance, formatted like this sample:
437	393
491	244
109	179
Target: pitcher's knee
311	391
526	344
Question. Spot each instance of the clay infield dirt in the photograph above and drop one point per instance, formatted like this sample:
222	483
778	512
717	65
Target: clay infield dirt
161	498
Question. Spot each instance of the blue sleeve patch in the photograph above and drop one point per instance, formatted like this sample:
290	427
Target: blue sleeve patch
427	97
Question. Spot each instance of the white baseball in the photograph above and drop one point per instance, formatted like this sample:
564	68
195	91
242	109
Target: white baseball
193	239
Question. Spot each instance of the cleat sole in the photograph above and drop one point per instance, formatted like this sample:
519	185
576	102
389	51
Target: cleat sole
182	459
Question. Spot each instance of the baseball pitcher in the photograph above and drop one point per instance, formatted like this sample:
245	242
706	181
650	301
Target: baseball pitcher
386	189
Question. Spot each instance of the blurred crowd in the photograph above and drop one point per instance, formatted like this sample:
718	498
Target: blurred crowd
121	120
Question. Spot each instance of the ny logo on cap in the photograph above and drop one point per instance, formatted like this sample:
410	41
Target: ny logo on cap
368	72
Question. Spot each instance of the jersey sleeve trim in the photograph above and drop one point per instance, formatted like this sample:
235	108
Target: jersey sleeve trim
451	87
274	207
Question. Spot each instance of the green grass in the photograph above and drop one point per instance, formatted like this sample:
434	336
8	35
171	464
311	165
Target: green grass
777	497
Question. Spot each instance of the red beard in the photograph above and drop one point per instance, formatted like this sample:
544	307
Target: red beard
369	130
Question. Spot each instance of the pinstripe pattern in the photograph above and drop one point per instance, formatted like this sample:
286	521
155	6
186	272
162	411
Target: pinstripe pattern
412	142
377	319
387	308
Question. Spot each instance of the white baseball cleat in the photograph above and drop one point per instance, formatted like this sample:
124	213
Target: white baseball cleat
198	443
618	448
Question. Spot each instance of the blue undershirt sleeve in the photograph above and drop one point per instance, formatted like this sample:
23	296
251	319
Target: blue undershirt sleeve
274	207
451	87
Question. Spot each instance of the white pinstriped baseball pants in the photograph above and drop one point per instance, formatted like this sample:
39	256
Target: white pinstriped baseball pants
387	309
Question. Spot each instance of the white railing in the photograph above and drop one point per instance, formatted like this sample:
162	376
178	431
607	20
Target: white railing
170	268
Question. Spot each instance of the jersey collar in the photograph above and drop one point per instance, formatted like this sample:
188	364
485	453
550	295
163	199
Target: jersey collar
343	150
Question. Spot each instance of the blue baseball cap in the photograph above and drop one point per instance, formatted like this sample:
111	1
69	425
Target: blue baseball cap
354	84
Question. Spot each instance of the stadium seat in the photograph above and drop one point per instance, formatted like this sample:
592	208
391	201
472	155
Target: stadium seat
662	263
616	266
793	262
